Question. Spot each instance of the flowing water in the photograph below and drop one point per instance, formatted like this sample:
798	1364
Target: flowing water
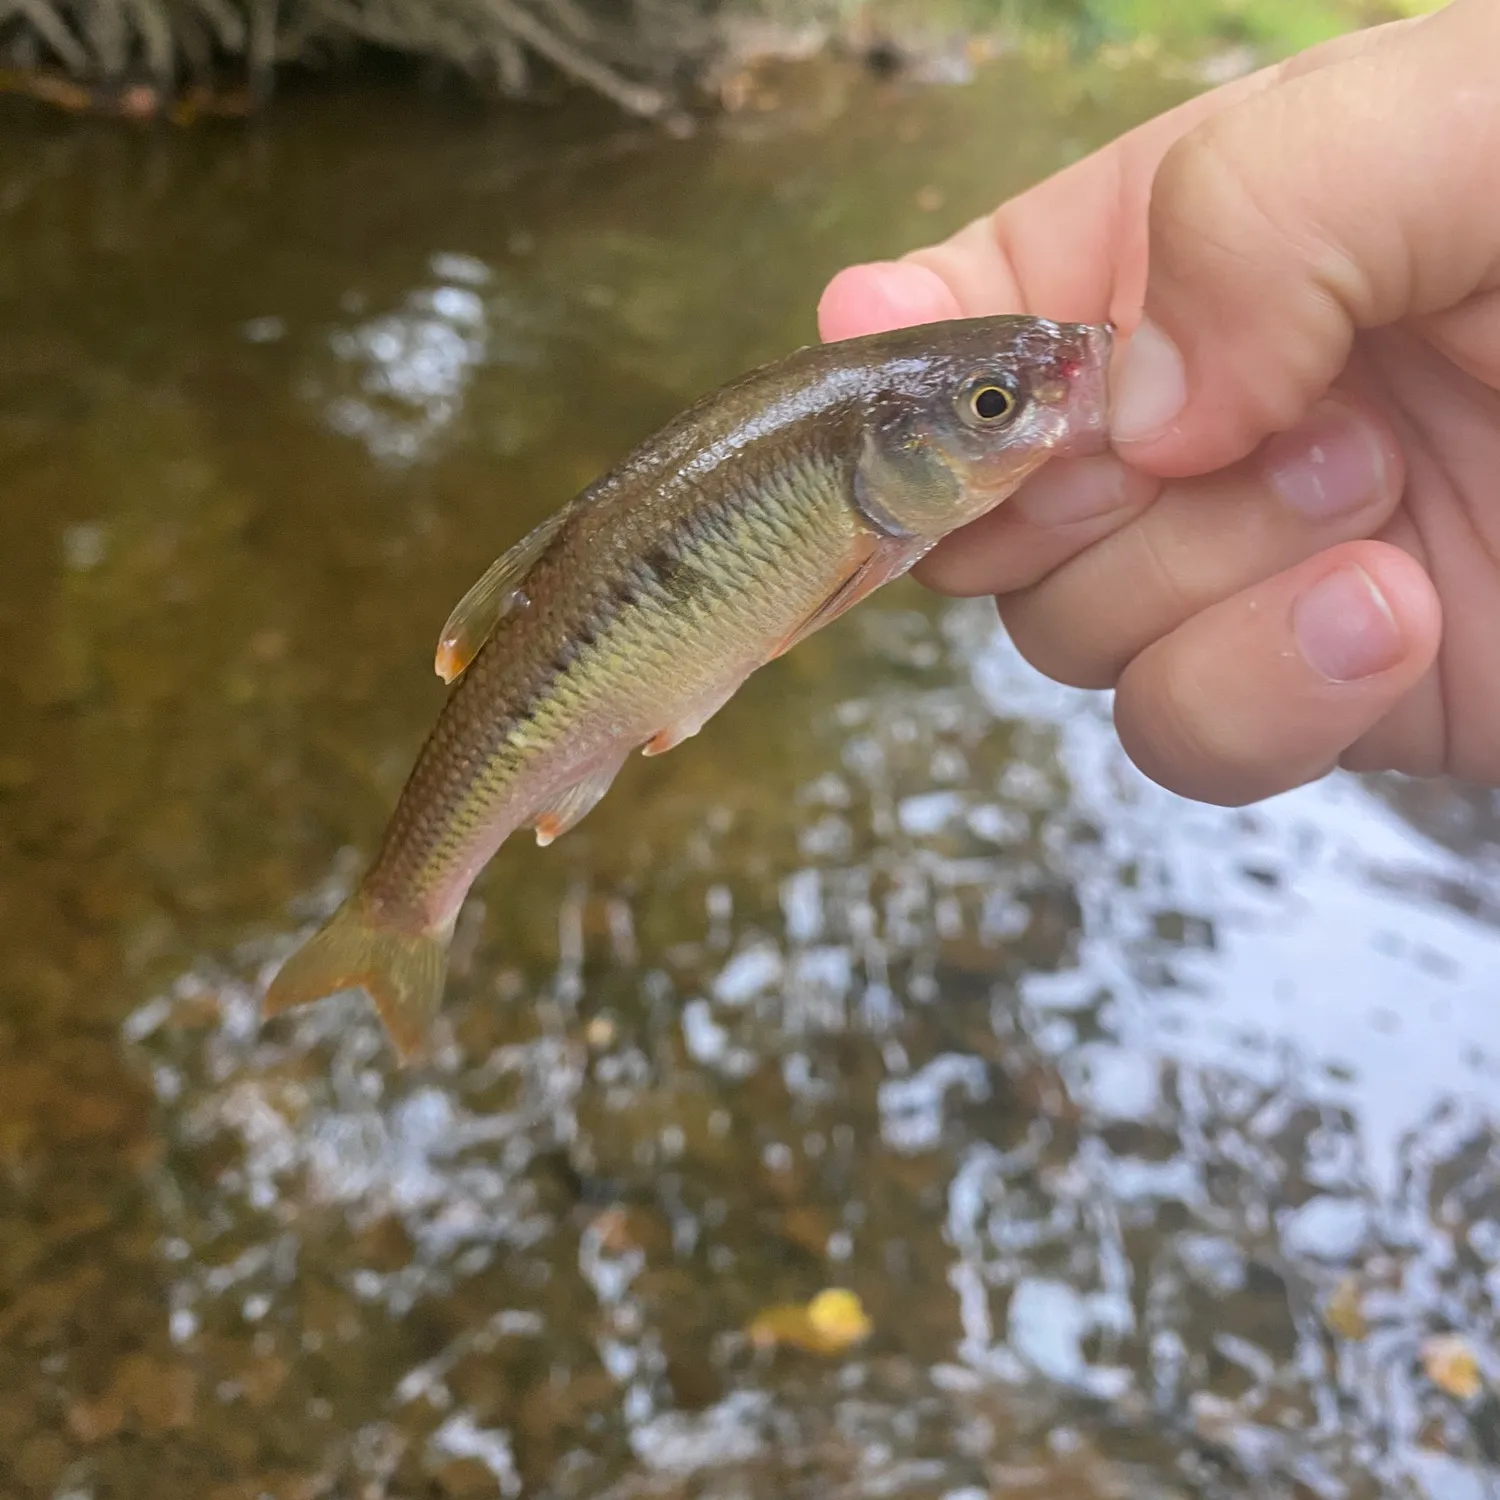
898	978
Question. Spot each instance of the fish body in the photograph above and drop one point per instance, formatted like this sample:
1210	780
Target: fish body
632	615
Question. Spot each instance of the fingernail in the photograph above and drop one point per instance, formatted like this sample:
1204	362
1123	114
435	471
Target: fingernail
1345	628
1329	466
1072	489
1150	387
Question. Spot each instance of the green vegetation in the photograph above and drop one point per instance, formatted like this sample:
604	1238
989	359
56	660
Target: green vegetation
1276	26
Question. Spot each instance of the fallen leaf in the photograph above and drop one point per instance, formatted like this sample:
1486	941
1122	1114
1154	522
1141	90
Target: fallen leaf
1451	1366
833	1321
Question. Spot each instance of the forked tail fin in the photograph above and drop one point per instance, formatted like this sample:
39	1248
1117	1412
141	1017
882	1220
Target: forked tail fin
401	972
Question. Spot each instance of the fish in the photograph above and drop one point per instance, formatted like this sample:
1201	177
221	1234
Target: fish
628	618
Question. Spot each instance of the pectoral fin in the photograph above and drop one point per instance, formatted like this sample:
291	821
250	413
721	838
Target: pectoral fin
572	805
888	561
490	600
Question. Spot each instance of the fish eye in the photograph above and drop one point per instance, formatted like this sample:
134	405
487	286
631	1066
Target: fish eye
991	403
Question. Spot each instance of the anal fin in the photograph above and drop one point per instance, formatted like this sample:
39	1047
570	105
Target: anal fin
476	615
572	805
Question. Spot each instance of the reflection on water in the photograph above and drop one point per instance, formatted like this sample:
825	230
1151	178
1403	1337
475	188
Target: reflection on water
897	979
402	377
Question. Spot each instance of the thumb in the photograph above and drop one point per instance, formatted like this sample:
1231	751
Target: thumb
1340	199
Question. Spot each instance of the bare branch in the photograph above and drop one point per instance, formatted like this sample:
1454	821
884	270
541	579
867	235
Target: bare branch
261	53
636	98
572	19
54	31
510	63
104	26
99	40
228	24
156	39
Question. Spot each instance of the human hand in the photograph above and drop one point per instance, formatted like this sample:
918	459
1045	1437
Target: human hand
1292	559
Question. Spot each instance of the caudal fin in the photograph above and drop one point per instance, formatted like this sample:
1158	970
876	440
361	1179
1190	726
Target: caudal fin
403	974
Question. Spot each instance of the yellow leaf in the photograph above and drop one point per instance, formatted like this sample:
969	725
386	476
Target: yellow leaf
1451	1366
838	1315
832	1322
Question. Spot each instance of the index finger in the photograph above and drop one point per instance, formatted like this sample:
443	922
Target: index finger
1072	247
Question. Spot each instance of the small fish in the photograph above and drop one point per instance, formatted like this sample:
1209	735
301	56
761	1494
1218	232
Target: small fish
633	614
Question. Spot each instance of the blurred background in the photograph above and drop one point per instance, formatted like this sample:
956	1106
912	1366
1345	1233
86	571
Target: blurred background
1157	1142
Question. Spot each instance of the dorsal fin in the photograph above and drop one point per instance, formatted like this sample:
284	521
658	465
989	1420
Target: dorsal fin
475	616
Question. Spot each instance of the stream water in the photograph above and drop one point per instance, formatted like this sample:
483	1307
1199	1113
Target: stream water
897	978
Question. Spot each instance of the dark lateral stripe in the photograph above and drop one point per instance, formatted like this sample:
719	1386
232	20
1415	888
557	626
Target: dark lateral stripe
661	560
659	577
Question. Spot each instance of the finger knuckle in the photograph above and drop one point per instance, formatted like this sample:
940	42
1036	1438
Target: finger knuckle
1189	201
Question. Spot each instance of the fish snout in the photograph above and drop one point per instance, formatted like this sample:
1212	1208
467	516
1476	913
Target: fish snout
1086	413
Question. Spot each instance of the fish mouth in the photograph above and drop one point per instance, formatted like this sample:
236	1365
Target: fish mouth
1086	415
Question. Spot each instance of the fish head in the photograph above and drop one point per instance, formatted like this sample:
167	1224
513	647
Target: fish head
962	412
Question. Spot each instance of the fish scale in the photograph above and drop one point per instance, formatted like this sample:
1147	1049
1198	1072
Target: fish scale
631	616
